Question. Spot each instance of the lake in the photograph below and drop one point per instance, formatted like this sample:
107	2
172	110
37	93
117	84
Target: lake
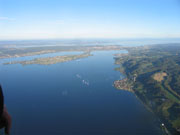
73	98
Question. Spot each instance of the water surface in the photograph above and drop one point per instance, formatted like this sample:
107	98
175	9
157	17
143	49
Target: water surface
73	98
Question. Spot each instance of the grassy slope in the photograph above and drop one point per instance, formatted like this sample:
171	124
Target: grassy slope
162	97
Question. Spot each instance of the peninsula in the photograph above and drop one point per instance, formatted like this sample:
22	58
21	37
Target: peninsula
51	60
16	51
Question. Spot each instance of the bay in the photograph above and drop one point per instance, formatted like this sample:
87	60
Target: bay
73	98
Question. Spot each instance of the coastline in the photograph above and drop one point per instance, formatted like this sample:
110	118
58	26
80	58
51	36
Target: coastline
159	122
51	60
140	74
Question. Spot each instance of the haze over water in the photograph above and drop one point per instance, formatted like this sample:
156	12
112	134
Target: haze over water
75	97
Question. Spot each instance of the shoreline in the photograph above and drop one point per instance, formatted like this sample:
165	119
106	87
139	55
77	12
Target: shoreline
159	124
144	76
51	60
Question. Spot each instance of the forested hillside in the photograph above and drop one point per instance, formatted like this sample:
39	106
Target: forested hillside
153	72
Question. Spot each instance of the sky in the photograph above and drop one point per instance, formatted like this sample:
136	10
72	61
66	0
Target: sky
56	19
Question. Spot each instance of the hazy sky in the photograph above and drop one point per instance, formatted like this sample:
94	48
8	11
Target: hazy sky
38	19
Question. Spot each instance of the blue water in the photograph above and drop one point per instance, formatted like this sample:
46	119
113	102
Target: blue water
73	98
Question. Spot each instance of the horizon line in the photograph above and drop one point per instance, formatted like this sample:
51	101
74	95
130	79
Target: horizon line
90	38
